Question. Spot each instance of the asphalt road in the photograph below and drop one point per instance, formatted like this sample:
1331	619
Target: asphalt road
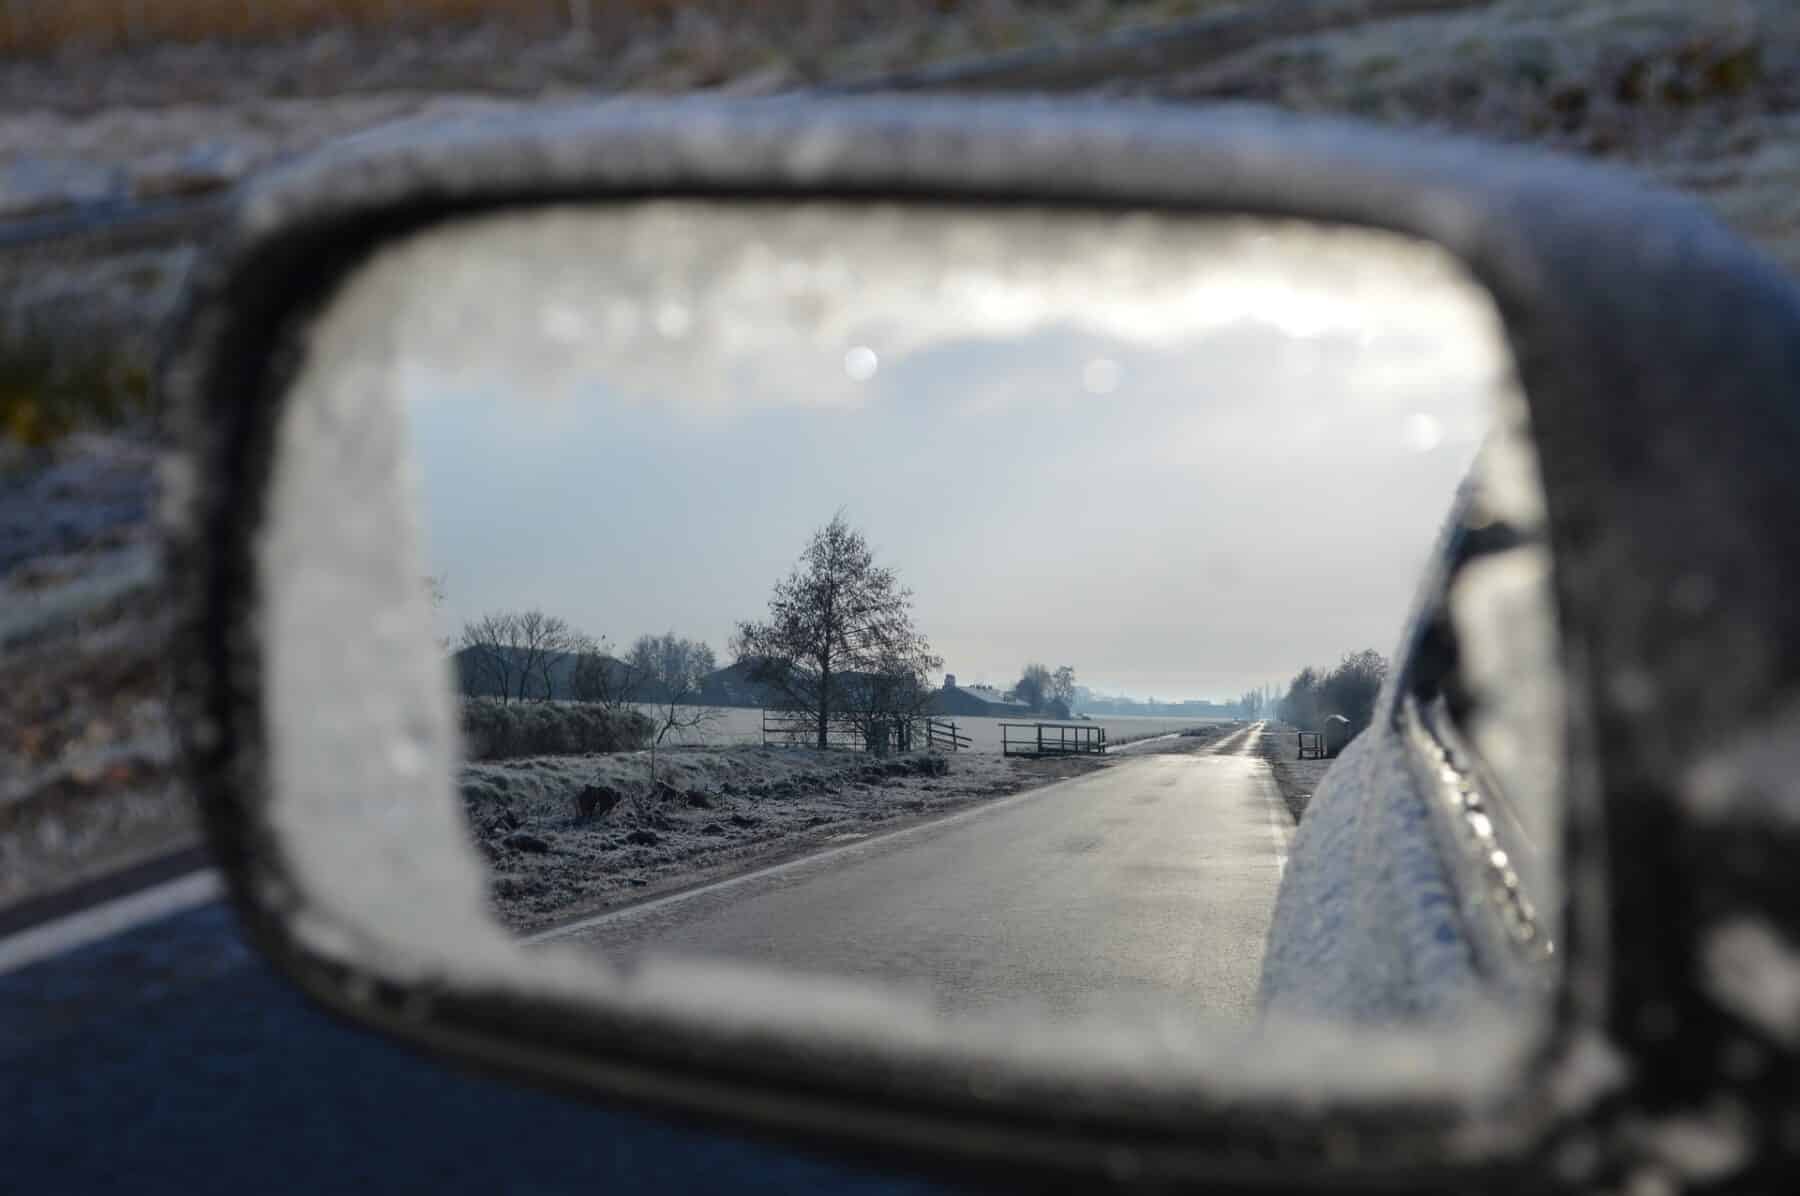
1150	883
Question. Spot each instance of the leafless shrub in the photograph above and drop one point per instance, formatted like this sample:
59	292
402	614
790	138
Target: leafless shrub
674	670
495	730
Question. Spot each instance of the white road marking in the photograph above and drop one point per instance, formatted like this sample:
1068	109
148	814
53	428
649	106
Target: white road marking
1279	830
108	919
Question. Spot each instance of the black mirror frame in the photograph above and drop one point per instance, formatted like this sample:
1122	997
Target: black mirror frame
1660	359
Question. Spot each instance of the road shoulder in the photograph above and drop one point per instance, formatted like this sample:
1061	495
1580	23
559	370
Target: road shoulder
1297	779
713	813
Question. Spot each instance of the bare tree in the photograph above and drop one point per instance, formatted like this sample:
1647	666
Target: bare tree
882	700
513	653
539	639
1062	685
1034	686
675	670
1351	688
839	640
487	664
598	677
1301	704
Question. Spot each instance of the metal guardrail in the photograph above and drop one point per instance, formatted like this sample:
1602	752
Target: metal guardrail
1052	739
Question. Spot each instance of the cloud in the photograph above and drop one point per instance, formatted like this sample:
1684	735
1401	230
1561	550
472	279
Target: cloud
736	303
1150	445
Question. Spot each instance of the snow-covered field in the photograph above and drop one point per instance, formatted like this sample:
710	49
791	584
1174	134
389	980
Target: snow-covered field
740	725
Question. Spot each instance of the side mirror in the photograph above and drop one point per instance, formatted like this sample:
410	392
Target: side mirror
1564	827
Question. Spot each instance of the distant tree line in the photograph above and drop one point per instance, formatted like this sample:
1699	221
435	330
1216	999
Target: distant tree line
1348	690
547	673
1250	705
1057	695
838	643
1046	692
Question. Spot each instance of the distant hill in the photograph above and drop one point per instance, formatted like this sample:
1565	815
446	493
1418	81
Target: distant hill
732	686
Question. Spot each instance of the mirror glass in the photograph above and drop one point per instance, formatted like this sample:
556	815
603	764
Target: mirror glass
977	602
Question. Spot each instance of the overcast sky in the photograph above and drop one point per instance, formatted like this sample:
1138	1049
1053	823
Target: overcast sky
1184	458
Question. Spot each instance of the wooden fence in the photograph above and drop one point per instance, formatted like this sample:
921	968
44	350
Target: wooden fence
942	736
800	728
1052	739
1312	745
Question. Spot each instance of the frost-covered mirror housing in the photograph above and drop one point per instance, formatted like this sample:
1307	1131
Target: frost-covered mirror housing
1646	560
1182	451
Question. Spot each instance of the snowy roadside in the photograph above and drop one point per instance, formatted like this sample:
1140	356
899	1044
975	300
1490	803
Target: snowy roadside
713	811
1297	779
88	780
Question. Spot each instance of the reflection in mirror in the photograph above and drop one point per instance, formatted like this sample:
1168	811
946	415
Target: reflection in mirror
976	601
